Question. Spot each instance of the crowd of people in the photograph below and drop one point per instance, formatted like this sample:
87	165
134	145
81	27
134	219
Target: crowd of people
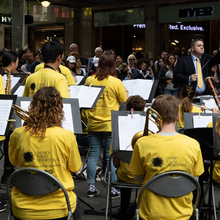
49	73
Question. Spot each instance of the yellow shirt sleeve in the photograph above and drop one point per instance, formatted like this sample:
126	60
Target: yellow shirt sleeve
66	71
62	87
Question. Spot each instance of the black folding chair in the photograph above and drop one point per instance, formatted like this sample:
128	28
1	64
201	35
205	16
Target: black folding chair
171	184
32	181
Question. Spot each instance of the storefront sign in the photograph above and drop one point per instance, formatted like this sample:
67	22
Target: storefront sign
139	25
196	12
181	27
119	18
7	19
189	12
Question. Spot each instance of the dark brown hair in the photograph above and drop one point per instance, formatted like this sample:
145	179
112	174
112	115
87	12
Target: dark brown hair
136	102
45	110
187	94
167	106
106	67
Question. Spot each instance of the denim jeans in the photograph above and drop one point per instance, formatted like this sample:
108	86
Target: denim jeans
96	140
172	92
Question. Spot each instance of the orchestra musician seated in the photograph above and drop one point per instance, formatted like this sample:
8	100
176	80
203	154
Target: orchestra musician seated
187	94
43	143
123	173
161	152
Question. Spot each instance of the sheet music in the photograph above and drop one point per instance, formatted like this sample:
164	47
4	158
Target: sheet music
14	80
86	95
24	105
4	114
128	127
210	104
79	79
68	122
201	121
19	92
141	87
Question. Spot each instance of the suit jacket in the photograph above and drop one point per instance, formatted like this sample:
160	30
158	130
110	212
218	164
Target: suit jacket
185	67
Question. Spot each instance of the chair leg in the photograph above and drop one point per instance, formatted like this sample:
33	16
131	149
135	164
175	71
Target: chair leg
213	201
108	197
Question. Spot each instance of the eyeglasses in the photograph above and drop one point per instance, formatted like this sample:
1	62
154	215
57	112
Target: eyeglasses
131	59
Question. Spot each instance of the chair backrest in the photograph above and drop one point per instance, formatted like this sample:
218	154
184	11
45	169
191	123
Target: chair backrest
32	181
171	184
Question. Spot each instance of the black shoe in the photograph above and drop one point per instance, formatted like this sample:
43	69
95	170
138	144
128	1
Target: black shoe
2	208
91	194
114	193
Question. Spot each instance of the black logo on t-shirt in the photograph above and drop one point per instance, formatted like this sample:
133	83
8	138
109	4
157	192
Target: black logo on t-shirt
33	86
28	157
157	162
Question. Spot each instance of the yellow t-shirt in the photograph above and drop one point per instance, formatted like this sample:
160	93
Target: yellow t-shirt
180	123
57	154
2	91
64	70
99	118
156	154
46	77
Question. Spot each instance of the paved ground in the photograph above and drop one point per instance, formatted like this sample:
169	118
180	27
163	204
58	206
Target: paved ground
98	204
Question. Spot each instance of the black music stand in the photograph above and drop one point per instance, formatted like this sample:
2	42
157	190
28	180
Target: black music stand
205	138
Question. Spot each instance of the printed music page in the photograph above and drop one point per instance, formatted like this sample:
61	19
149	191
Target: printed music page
14	80
19	92
210	104
128	127
141	87
79	79
86	95
201	121
4	115
68	122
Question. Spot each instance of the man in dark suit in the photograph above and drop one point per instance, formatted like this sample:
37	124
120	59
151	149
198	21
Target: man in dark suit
188	68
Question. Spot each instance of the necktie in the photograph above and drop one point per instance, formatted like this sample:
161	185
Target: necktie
199	74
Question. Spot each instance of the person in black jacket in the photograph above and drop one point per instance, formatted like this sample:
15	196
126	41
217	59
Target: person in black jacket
185	71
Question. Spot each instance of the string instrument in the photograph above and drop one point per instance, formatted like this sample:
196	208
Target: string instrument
151	115
213	91
217	101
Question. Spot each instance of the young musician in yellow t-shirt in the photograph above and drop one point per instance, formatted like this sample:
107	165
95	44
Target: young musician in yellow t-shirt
187	94
123	172
99	118
43	143
161	152
52	53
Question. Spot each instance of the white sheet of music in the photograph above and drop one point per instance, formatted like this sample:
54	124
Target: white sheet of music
4	114
79	79
210	104
14	80
86	95
68	122
128	127
19	92
141	87
201	121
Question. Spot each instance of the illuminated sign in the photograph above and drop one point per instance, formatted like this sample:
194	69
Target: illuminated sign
7	19
139	25
181	27
196	12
